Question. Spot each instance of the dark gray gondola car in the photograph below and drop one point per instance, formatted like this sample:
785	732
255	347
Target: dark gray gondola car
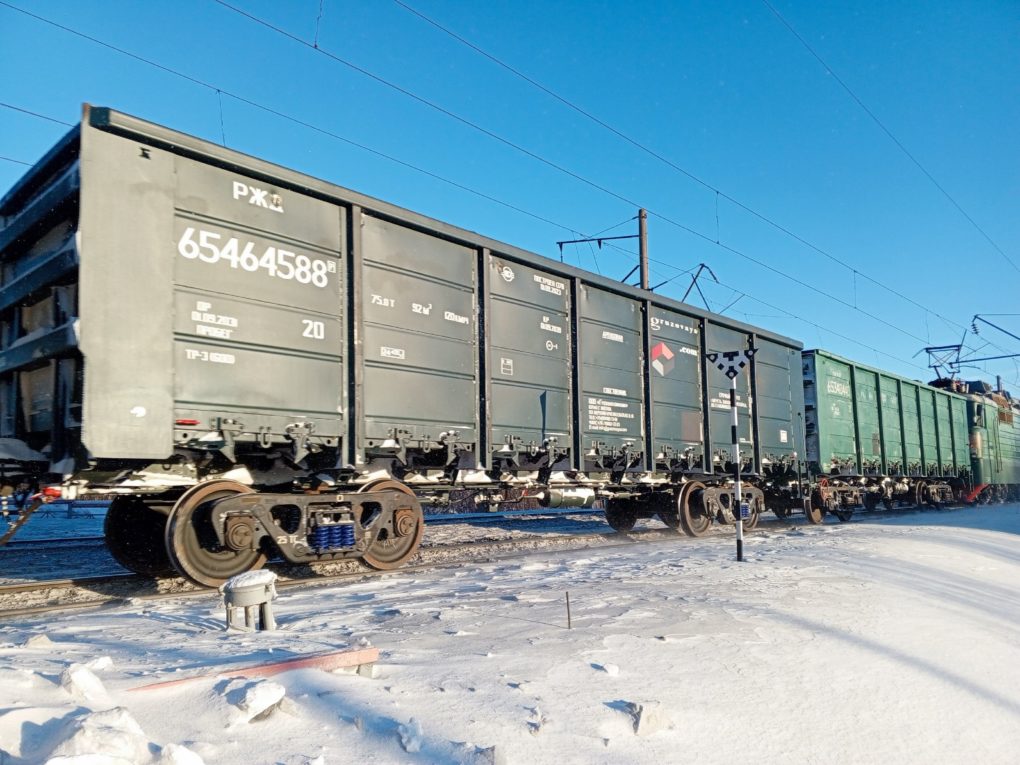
250	360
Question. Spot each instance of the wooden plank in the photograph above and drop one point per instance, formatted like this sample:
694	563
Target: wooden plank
23	517
327	661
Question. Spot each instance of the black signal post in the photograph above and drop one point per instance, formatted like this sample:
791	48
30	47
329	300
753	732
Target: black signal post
731	363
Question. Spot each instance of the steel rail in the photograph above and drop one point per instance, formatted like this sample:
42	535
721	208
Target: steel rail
442	556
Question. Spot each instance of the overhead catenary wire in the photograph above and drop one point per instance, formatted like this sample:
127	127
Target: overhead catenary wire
594	256
303	123
527	152
15	161
719	193
318	21
29	111
899	144
452	115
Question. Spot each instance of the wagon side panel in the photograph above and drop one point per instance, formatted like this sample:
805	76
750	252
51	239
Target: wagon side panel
611	384
258	320
777	376
529	351
892	424
869	420
420	338
127	271
674	362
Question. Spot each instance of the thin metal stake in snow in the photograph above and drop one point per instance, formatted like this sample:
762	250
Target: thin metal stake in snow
569	625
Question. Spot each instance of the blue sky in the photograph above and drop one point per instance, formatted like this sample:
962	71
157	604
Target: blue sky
724	91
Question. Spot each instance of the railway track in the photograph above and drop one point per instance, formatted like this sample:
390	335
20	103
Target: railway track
54	543
50	595
37	598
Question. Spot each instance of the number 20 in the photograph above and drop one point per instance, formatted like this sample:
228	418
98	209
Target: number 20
314	329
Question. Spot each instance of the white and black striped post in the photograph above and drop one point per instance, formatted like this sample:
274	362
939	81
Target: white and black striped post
730	363
738	494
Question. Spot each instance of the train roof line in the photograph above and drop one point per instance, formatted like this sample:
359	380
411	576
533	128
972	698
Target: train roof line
112	121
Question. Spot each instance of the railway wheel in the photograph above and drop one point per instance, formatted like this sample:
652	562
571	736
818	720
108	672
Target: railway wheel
620	515
135	534
923	496
872	500
814	508
191	542
694	518
813	511
781	512
844	514
394	545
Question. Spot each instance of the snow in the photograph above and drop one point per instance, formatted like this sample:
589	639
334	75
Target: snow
890	639
254	700
80	683
261	578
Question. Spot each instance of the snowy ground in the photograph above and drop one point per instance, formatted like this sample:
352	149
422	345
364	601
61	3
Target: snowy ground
888	640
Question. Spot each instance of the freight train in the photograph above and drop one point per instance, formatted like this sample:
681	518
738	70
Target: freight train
253	362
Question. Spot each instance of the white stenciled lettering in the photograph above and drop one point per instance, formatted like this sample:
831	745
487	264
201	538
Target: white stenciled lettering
658	322
196	354
615	337
258	197
548	327
392	353
551	286
219	332
607	416
385	302
210	247
316	330
208	323
207	317
838	388
721	400
456	318
614	391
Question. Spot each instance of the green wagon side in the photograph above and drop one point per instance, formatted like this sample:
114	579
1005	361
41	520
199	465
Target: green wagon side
994	446
876	437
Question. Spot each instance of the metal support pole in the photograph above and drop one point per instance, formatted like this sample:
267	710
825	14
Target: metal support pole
730	363
643	246
737	507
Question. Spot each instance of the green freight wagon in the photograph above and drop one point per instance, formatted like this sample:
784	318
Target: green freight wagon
876	438
994	444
